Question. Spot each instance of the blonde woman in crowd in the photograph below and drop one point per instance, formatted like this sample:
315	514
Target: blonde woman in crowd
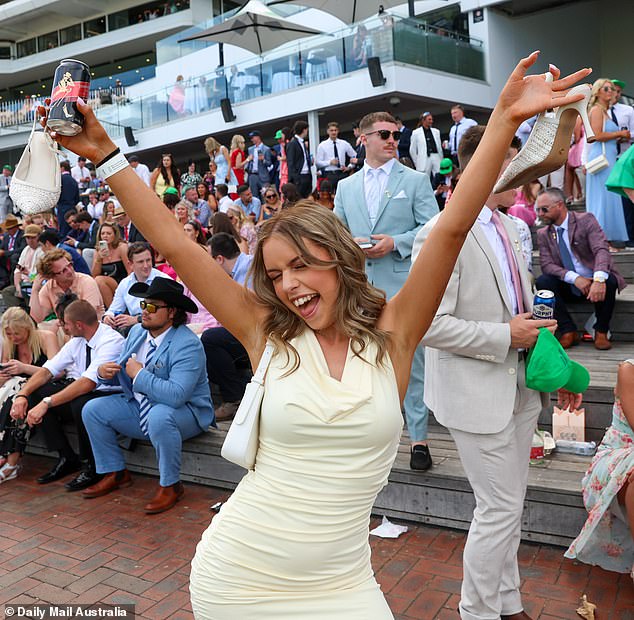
111	263
220	156
238	158
24	350
244	227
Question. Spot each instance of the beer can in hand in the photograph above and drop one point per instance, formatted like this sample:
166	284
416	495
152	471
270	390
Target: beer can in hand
544	305
72	80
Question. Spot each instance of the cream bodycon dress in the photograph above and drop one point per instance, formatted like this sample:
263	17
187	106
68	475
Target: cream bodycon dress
292	541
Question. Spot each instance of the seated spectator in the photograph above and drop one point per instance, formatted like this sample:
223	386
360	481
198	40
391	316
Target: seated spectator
165	395
11	247
524	206
49	239
222	196
62	387
111	264
194	231
108	212
324	195
75	231
129	232
250	205
241	228
576	265
57	269
24	350
272	204
183	213
289	194
197	206
208	197
44	220
25	270
124	311
441	182
607	538
226	357
89	227
171	198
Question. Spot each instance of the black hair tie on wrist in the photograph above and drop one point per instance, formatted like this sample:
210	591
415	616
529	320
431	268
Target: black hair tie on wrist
108	157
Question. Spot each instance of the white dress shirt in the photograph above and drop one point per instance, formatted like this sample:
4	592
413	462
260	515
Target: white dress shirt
224	203
143	172
457	131
580	269
141	355
496	243
78	173
326	152
374	184
106	345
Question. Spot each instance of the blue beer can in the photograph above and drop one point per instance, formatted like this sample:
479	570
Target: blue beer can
544	305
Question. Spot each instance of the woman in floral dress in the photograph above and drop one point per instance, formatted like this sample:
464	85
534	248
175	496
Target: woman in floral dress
607	538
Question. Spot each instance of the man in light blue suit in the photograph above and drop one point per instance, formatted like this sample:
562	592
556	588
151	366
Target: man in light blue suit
384	205
165	396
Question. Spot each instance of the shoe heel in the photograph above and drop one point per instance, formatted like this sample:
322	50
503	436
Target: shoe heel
581	107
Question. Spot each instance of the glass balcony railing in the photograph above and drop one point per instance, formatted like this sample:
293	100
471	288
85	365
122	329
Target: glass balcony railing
296	65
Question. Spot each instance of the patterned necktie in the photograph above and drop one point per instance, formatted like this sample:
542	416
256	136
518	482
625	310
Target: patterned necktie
566	258
510	257
145	404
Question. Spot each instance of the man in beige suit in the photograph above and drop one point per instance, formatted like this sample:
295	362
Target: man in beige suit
475	385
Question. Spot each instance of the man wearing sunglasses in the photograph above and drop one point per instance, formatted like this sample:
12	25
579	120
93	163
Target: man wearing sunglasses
384	205
576	265
165	394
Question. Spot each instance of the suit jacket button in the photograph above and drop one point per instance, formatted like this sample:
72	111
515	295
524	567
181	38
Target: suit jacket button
511	371
369	263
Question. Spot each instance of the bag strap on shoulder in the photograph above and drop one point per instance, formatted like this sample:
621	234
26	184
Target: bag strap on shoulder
263	366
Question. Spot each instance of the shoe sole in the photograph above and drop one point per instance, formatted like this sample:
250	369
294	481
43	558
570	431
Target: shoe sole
556	158
121	485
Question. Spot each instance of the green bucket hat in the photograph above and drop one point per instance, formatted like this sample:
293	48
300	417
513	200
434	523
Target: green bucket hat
446	166
7	167
549	368
619	83
171	190
278	134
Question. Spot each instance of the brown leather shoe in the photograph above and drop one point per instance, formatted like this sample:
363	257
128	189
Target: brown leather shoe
165	498
520	616
569	339
110	482
601	341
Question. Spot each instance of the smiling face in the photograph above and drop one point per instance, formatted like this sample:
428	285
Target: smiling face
311	292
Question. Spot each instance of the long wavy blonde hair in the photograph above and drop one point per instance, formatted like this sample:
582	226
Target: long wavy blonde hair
360	303
17	319
596	87
212	146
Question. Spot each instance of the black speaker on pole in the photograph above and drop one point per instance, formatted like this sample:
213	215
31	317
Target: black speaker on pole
129	136
227	112
376	74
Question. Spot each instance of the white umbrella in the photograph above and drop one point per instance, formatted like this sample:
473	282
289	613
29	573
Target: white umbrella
348	11
256	28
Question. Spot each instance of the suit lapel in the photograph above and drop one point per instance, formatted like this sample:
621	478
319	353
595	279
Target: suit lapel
481	239
572	227
393	183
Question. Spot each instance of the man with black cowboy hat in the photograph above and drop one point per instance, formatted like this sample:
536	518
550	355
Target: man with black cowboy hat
165	395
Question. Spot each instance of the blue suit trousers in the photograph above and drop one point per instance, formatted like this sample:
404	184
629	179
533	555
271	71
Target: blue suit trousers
167	429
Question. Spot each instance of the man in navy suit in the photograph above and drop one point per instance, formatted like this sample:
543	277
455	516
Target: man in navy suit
68	199
165	396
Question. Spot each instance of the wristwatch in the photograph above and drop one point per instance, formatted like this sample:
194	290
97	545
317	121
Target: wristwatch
599	279
47	400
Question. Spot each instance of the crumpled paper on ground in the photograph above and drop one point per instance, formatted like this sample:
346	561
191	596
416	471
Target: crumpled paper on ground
387	529
587	608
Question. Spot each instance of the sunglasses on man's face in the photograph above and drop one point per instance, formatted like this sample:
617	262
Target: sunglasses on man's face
150	308
384	134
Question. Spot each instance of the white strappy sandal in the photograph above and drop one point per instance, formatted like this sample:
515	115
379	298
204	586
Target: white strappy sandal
548	144
9	472
37	180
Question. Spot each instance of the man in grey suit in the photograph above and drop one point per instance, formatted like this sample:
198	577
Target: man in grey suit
260	164
384	205
475	385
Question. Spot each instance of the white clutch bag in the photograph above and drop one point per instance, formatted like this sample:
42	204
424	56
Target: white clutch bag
241	443
598	163
37	180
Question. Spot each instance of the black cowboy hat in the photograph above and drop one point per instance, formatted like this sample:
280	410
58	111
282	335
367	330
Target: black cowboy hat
167	290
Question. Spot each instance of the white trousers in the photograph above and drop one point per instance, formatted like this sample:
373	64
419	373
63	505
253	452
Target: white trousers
497	467
432	164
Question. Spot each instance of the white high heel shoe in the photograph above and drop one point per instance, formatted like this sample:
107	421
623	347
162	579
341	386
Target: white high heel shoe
547	146
37	179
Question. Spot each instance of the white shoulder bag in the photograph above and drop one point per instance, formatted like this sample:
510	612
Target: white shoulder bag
36	184
241	443
598	163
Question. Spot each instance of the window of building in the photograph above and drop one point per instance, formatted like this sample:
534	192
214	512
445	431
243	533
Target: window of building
70	34
5	52
26	48
48	41
94	27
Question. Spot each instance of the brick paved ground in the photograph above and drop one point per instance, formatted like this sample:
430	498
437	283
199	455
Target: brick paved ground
59	548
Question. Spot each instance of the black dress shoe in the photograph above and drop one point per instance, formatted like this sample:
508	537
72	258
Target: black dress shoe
86	478
420	458
62	468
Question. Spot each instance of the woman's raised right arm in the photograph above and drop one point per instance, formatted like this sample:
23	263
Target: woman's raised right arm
231	303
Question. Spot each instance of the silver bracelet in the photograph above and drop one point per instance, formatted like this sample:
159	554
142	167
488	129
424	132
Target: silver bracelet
112	166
